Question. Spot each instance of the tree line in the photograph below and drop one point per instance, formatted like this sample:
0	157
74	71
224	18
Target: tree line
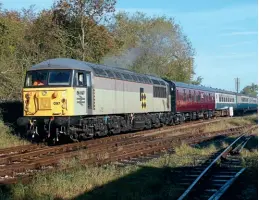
91	31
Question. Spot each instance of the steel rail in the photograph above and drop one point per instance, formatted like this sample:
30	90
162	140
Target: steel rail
206	170
224	188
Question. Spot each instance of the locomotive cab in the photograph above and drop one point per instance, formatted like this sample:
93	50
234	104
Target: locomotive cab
56	93
54	99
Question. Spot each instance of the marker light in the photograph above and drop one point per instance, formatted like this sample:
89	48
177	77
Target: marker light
54	95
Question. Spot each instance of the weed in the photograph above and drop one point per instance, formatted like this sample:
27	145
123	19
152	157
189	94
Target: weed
8	139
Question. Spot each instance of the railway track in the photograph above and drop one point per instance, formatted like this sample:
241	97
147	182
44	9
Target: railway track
211	179
22	166
34	147
164	130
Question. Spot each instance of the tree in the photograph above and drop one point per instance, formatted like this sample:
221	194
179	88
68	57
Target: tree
152	45
197	81
250	90
12	31
81	19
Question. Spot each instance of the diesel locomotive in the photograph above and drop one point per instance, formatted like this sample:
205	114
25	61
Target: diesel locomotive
81	100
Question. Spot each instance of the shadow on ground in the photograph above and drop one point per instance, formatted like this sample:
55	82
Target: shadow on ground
218	141
10	111
148	183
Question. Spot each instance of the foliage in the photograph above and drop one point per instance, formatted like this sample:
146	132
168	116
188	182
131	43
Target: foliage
197	81
8	139
87	30
88	40
152	45
250	90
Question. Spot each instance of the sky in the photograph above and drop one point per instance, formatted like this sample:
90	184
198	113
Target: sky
224	34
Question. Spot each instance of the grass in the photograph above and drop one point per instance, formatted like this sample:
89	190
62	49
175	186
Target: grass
151	180
8	139
156	179
230	123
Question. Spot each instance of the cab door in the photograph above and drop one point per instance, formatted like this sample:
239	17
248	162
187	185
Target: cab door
80	93
173	97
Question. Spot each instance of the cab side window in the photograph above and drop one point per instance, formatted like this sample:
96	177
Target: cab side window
80	79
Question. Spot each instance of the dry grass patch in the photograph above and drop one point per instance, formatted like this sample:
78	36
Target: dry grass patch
8	139
230	123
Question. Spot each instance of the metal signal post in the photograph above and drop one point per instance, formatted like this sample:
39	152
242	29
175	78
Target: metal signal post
237	84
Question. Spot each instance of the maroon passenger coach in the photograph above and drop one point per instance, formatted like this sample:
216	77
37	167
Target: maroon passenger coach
192	101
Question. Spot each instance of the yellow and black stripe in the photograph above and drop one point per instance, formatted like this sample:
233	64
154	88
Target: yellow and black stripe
143	100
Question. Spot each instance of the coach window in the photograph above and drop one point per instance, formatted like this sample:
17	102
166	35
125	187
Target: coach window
190	95
193	97
199	97
184	95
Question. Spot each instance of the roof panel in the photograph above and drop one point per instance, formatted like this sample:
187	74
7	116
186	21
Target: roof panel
62	63
200	87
